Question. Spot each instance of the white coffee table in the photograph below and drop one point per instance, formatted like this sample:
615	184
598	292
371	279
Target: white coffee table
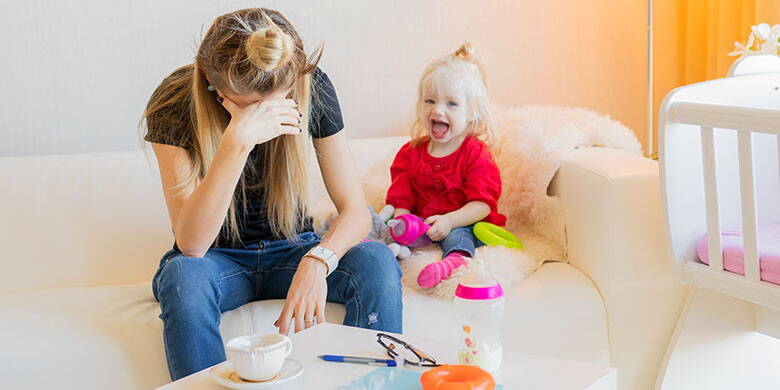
518	370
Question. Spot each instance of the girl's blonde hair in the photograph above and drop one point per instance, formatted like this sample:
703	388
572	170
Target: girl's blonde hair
464	70
254	50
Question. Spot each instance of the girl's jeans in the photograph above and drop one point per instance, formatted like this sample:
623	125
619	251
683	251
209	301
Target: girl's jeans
193	292
460	239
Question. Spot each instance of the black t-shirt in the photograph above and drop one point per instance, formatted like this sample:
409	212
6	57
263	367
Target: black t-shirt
172	126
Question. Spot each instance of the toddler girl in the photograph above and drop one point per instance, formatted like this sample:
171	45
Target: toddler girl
446	174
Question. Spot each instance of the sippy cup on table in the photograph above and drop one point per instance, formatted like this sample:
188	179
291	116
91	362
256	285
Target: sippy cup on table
479	306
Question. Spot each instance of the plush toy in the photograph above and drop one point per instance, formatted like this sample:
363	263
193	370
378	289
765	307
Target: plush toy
380	231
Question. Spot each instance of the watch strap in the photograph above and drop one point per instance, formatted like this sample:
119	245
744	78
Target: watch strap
333	263
319	260
326	256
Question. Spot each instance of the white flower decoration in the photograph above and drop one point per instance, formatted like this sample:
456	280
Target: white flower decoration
766	38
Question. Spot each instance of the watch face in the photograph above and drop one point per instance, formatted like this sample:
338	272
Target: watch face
319	251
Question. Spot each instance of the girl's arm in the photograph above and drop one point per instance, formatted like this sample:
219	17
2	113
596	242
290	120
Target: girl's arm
482	186
441	225
398	212
400	195
471	213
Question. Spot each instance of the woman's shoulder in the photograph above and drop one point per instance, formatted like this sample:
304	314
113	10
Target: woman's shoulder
319	75
325	109
182	71
323	88
167	112
173	88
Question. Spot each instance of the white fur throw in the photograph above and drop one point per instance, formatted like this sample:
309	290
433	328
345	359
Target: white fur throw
533	141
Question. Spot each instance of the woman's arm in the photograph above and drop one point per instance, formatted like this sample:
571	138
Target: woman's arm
338	172
197	218
308	290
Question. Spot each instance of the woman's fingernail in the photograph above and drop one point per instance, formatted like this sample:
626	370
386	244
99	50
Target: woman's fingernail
220	99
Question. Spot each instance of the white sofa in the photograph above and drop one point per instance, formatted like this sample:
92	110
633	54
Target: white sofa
82	235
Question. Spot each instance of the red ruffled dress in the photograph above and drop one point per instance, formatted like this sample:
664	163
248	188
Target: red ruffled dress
427	185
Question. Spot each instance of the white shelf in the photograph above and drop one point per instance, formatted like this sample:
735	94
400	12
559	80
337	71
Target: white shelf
762	293
726	117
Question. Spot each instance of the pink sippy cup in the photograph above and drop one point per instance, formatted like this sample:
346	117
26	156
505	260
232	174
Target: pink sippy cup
409	230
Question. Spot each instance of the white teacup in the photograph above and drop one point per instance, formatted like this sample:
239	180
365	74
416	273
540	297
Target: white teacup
259	357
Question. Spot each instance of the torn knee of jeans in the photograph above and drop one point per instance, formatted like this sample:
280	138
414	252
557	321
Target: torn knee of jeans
373	318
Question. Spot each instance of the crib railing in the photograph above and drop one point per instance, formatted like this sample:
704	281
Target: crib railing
746	122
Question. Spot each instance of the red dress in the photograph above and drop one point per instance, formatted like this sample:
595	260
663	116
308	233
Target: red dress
427	185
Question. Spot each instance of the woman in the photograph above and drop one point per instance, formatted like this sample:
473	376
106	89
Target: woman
231	134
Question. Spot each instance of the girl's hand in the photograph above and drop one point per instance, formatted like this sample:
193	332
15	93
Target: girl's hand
441	225
305	298
398	212
262	121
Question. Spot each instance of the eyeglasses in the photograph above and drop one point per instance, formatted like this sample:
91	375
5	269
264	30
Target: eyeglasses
410	354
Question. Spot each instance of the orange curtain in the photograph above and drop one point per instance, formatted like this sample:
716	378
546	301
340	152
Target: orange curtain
708	31
692	39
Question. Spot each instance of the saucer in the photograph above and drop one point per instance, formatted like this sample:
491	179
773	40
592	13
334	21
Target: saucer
225	375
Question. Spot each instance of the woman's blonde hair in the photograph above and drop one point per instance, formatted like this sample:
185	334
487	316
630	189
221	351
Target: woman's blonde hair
464	70
253	50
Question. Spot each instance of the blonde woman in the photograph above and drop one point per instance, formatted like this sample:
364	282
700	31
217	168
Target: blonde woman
230	133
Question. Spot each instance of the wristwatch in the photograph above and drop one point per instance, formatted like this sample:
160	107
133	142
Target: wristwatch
324	255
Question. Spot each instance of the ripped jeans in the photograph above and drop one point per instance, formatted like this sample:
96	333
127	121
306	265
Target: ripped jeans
194	292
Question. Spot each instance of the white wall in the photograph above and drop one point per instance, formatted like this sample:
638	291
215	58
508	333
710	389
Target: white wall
76	75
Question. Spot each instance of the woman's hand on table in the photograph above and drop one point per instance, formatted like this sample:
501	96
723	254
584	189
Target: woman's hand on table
305	298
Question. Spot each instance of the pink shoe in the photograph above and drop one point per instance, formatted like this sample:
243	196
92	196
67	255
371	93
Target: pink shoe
434	273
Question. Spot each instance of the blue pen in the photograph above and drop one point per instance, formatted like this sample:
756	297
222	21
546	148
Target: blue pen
360	360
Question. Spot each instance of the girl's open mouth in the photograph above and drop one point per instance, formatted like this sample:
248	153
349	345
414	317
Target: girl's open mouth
439	129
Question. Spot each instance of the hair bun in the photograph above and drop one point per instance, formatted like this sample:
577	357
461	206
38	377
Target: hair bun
465	52
268	48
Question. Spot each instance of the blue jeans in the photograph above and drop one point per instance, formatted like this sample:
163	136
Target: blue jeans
461	239
193	292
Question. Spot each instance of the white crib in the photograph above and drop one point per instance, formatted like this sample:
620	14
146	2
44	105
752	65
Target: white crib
719	143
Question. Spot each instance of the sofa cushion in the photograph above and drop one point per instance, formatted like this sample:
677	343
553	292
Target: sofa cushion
111	337
89	338
73	220
81	220
556	312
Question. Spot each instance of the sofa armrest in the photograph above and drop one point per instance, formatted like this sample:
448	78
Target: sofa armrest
615	235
